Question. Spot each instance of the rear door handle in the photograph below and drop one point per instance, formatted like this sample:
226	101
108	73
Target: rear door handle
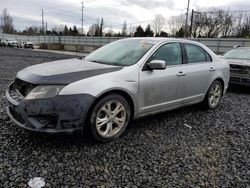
181	74
211	69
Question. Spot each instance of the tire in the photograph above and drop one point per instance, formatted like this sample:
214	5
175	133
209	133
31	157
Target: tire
213	95
113	112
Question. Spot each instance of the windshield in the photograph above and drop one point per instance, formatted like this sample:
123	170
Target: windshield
122	53
239	53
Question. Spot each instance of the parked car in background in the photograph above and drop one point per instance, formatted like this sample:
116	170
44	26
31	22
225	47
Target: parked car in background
119	82
5	42
239	60
28	45
14	43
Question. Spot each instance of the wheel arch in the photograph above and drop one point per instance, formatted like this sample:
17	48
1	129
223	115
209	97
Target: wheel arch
116	91
222	84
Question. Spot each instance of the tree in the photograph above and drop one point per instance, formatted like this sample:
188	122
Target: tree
175	23
92	30
124	29
75	31
139	32
70	31
132	30
158	23
101	27
66	30
180	33
96	29
7	22
110	32
149	32
212	23
163	34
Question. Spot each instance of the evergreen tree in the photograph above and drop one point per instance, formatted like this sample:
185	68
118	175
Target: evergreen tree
163	34
66	30
149	32
139	32
180	33
75	31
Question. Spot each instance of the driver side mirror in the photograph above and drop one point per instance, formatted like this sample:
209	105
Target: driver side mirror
157	65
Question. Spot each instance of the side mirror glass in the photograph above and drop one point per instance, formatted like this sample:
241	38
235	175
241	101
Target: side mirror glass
157	65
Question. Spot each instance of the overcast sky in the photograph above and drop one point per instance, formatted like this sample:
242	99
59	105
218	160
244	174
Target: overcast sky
60	12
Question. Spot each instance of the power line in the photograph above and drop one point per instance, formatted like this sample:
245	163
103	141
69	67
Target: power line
132	23
222	11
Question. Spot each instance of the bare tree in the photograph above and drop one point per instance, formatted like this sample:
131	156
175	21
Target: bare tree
242	26
7	22
96	29
92	30
158	24
132	29
210	24
110	32
124	29
175	23
227	26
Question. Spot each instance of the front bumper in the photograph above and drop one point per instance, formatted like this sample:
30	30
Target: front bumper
61	114
240	79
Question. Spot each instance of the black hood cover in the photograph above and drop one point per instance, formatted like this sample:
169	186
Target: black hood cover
63	71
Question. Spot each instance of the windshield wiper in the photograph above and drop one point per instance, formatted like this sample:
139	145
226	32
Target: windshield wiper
116	64
81	57
95	61
110	64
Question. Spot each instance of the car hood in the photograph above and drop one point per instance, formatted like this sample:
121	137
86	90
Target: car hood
64	71
240	62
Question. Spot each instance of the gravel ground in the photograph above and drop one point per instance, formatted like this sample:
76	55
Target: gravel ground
188	147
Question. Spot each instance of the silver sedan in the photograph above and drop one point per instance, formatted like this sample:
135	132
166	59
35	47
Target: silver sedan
115	84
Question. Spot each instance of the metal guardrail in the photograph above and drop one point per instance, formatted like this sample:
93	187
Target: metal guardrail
218	45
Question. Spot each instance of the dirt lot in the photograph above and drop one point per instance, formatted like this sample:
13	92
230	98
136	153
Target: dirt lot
155	151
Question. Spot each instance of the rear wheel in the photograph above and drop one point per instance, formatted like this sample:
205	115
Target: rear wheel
109	117
213	95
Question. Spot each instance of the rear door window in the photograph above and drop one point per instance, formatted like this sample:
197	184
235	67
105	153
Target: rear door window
196	54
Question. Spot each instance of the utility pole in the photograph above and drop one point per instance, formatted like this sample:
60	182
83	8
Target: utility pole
46	27
191	25
42	22
82	17
186	25
192	21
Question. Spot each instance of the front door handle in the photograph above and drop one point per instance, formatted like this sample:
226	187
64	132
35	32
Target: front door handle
211	69
181	74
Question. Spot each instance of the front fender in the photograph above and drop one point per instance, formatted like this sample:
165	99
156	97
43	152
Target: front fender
125	80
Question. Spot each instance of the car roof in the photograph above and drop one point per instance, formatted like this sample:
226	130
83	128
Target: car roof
156	40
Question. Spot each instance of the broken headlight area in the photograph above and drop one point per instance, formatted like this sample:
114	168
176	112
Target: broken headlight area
44	92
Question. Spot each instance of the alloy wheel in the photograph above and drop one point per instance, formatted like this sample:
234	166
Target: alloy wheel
110	119
214	95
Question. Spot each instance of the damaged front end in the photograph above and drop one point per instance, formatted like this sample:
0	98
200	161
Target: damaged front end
240	74
33	110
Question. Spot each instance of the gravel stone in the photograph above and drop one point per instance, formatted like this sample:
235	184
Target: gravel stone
156	151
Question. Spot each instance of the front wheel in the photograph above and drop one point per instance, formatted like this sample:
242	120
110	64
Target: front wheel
109	117
213	95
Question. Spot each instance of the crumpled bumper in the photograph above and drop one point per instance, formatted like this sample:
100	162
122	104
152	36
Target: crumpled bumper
240	79
61	114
